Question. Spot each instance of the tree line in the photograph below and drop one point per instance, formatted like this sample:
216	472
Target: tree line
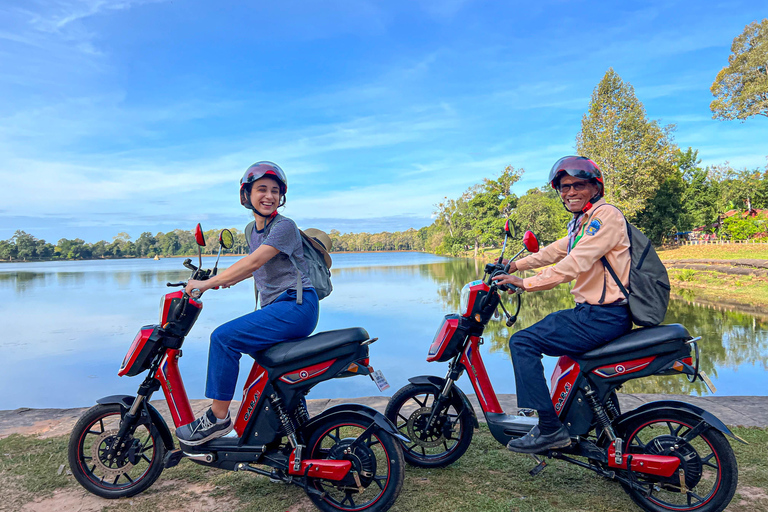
660	187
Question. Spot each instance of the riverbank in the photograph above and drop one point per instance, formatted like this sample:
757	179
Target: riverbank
34	475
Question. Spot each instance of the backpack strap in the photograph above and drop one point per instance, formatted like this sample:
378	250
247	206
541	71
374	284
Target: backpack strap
603	259
299	286
248	233
615	278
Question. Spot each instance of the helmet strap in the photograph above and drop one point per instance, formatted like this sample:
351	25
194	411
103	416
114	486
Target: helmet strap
270	216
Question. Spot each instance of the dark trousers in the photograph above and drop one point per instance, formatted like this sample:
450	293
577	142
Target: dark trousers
563	333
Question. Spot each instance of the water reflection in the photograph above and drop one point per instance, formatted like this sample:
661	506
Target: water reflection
731	339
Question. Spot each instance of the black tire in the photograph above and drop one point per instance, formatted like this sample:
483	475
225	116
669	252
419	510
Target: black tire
711	473
119	477
445	442
378	462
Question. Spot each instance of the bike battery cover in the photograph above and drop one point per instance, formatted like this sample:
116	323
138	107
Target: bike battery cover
144	346
449	338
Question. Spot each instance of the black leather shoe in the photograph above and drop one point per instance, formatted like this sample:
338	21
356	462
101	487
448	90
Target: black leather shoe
535	441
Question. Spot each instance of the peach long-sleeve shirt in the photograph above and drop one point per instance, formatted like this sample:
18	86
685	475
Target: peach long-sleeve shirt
603	233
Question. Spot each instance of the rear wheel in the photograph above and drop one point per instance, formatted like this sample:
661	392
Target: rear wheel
438	445
118	472
707	464
377	472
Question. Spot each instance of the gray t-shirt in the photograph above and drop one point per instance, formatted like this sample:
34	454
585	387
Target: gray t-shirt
278	274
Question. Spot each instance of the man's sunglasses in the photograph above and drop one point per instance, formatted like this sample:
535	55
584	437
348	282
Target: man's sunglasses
578	187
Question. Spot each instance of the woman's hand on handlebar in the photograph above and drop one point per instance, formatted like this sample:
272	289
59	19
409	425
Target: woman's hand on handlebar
194	284
509	280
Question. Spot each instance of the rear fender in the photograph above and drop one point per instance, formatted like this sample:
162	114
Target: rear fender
381	421
125	401
676	406
439	384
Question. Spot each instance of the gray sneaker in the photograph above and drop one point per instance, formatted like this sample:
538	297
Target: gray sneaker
203	429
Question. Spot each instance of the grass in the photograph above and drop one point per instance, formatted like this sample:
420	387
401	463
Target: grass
719	287
487	478
715	252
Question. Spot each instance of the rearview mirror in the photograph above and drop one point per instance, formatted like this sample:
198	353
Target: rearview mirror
530	242
506	228
226	239
199	238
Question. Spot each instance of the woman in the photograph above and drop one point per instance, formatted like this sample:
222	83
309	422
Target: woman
275	241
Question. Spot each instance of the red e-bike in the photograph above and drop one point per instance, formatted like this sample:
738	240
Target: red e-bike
667	455
347	458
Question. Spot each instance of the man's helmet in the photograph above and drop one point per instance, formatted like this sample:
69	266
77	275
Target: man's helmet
258	171
578	167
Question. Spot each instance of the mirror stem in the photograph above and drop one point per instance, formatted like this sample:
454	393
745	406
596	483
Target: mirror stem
503	248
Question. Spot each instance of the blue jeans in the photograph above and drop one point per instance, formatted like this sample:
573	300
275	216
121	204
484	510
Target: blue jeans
281	320
570	332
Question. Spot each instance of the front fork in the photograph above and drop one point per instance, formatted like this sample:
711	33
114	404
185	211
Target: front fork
454	372
130	420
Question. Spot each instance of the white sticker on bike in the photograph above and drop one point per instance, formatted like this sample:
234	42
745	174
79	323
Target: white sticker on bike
380	380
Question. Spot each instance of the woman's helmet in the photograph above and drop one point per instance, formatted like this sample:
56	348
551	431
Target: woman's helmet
578	167
258	171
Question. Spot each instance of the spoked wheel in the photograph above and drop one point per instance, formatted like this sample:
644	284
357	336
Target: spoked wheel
378	469
433	446
707	477
114	473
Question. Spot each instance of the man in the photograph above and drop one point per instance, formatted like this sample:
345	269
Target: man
601	313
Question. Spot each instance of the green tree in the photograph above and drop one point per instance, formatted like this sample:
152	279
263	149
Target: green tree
7	250
741	88
541	211
26	245
700	198
636	155
663	214
145	244
742	228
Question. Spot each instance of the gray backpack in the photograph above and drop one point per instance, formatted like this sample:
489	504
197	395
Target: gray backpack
319	273
648	293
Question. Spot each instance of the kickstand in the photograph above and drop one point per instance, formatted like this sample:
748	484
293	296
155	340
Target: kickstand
540	465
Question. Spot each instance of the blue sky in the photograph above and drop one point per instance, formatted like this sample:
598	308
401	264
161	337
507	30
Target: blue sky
141	115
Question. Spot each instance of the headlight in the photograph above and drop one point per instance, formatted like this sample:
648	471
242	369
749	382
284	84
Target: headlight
464	300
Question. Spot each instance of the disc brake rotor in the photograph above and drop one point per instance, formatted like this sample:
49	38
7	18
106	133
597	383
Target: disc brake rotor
115	467
426	437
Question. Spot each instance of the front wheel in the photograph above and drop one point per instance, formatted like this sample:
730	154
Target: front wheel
117	473
377	472
707	463
436	445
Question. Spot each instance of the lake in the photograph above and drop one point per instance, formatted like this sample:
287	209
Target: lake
67	325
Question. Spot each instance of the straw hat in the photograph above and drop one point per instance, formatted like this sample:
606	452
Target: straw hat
320	241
